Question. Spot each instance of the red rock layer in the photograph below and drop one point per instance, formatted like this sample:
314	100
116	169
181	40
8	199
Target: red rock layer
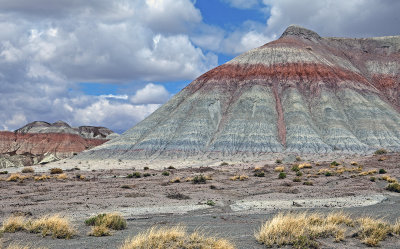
42	143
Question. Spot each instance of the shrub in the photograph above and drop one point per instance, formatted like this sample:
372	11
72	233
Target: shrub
334	163
176	180
174	237
199	179
16	177
126	187
259	173
279	169
27	170
80	177
295	168
56	171
298	158
297	179
14	224
243	177
146	174
134	175
224	164
5	172
394	187
308	183
328	173
234	178
282	175
210	203
298	173
171	167
42	177
146	168
110	220
305	166
278	161
354	163
100	231
380	152
372	231
178	196
165	173
382	171
62	176
54	225
372	179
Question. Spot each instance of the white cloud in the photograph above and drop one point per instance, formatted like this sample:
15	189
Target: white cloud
151	94
350	18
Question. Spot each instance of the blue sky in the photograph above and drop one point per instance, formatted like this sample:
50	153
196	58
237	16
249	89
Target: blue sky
112	63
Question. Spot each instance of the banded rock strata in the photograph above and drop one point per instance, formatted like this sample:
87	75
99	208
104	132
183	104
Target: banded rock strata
41	142
301	93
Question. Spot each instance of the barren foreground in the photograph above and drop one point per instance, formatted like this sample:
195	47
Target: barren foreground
231	201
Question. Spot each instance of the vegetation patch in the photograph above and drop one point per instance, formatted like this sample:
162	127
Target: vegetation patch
177	196
135	175
394	187
282	175
110	220
200	179
259	173
100	231
380	152
13	224
301	230
56	171
280	169
54	225
174	237
27	170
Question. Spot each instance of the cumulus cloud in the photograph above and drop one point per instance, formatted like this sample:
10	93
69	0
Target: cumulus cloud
243	4
151	94
357	18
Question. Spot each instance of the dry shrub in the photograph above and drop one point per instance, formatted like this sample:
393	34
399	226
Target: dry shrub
14	224
243	177
305	166
388	178
369	172
42	177
280	169
111	220
354	163
16	177
62	176
302	229
100	231
56	171
54	225
372	231
188	179
27	170
176	180
258	168
174	238
234	178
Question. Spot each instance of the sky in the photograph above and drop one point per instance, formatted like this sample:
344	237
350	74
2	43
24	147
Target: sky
112	63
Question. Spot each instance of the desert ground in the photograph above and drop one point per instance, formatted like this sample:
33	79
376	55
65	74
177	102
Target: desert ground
224	199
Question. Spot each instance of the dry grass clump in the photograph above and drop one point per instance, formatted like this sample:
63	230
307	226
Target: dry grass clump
369	172
175	180
280	169
62	176
174	238
372	231
56	171
42	177
239	177
110	220
13	224
54	225
301	230
100	231
27	170
394	187
16	177
388	178
305	166
354	163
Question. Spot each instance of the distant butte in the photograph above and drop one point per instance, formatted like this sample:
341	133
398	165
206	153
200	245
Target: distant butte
299	94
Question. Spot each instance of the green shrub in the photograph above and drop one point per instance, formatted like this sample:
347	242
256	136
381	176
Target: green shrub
328	173
382	171
4	172
380	152
146	168
199	179
297	179
278	161
308	183
259	173
298	173
165	173
298	158
224	164
334	163
372	179
295	168
282	175
134	175
210	203
146	174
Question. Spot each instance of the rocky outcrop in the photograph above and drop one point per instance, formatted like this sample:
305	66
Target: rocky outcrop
299	94
42	142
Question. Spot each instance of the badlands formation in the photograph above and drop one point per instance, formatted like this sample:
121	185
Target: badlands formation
42	142
299	94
